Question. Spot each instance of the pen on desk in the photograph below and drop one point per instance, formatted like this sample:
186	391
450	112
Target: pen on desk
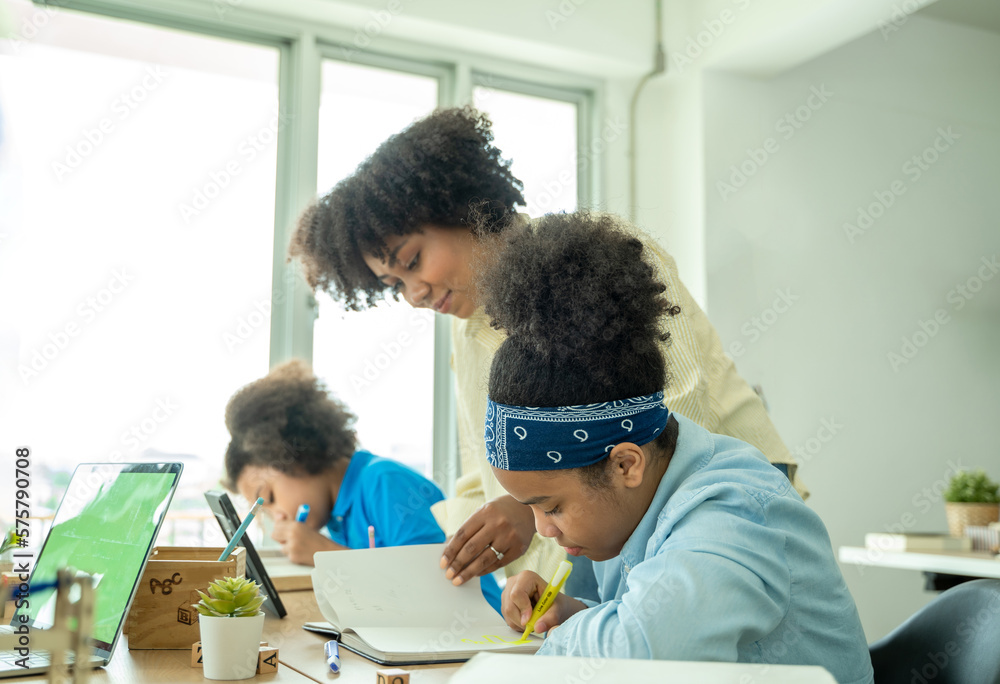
238	534
548	596
332	652
302	513
371	536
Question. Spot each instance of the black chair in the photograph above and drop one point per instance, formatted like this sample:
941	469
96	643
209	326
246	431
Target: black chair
954	639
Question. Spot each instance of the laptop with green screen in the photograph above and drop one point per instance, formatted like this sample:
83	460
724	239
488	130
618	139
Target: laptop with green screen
105	526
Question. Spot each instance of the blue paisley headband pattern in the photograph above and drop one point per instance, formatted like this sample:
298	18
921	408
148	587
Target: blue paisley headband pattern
561	437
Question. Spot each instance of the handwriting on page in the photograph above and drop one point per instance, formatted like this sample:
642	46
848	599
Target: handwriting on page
389	601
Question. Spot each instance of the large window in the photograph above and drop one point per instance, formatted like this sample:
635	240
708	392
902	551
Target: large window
135	264
149	180
379	362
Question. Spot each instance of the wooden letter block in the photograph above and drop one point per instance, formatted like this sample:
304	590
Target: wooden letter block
392	676
196	654
267	660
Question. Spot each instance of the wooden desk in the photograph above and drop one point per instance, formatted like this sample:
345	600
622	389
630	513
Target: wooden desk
970	563
286	575
299	652
302	661
162	667
503	668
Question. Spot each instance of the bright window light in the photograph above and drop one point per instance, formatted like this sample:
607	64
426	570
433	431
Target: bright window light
379	362
137	167
539	135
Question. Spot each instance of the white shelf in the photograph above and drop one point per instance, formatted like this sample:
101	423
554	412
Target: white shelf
971	563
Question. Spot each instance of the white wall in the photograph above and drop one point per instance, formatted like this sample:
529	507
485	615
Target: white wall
857	294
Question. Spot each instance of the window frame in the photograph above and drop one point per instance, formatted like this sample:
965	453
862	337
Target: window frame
584	101
302	48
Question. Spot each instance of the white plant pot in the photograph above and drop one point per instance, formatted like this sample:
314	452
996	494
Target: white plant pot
7	561
229	645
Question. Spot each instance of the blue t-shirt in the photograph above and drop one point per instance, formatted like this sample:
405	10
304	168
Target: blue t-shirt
396	501
728	564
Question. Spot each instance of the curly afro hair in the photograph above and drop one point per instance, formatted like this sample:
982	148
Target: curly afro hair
583	313
426	174
287	421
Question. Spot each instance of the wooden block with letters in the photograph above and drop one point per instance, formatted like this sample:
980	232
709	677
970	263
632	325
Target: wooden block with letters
162	615
392	676
267	659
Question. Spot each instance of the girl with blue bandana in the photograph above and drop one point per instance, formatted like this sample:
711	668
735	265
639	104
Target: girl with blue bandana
702	549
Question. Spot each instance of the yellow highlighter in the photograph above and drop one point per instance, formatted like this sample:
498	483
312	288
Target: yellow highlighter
548	596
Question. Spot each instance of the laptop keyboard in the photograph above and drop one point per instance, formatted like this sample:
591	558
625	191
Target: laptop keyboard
11	661
38	661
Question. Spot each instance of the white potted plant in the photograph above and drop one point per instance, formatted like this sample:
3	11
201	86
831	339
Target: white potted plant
971	499
231	624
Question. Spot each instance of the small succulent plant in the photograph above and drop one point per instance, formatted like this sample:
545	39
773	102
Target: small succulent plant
973	487
231	597
9	541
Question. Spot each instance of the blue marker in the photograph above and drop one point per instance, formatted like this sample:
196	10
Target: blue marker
16	592
332	651
238	534
302	513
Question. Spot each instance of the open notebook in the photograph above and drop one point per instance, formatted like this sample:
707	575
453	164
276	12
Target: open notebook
394	606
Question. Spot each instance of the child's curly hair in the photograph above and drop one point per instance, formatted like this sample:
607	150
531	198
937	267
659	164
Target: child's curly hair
583	313
426	174
289	422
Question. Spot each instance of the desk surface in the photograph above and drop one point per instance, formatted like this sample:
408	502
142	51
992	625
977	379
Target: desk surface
302	661
286	575
299	652
502	668
971	563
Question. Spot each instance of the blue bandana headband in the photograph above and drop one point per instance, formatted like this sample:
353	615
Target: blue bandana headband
561	437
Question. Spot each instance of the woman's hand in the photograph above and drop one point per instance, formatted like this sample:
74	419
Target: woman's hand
502	523
300	542
520	595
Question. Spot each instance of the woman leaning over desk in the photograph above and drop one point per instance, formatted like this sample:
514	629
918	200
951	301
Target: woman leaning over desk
400	224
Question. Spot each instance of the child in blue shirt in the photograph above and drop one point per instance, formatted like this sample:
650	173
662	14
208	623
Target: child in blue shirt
703	550
292	444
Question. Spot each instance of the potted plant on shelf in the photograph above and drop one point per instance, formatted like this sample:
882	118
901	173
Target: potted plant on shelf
231	624
972	498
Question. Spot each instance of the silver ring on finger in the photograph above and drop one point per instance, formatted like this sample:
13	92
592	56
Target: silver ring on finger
498	554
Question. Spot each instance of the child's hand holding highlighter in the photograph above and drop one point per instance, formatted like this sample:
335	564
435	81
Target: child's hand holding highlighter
525	599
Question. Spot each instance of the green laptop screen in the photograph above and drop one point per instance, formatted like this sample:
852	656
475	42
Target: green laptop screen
104	527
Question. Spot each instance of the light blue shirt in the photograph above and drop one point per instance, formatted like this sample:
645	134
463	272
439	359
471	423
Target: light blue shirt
728	564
